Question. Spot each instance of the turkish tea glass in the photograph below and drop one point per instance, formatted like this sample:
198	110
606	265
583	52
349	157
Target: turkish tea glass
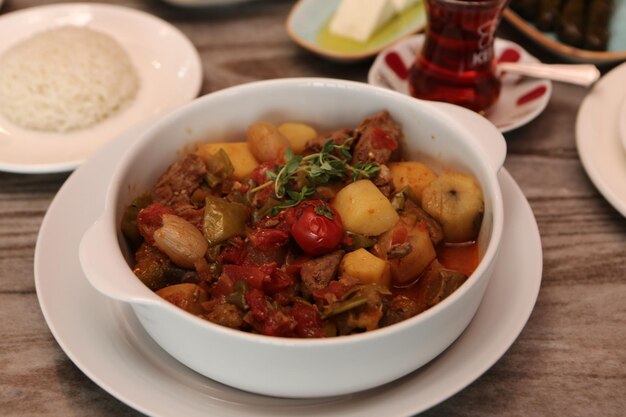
457	63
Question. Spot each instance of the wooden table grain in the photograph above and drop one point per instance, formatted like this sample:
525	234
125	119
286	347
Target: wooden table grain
570	359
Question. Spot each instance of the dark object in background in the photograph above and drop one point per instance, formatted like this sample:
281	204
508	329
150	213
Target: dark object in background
548	15
571	26
579	23
527	9
597	31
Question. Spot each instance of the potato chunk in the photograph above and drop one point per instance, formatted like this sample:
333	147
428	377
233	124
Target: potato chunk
364	209
365	267
456	201
407	268
187	296
238	152
408	248
298	134
415	175
266	142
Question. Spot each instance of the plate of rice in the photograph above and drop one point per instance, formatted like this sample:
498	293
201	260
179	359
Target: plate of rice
75	76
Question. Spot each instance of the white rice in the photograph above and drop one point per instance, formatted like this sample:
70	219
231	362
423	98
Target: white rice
65	79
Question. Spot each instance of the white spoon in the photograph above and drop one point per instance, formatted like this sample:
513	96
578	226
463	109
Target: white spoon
580	74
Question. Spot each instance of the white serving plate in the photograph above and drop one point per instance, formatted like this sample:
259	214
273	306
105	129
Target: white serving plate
621	121
89	327
598	137
204	3
168	65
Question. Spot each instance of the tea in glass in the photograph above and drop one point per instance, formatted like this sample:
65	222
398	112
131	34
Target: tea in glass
457	63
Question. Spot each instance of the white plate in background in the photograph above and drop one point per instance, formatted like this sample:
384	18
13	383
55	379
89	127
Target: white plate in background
169	68
621	122
520	101
598	138
105	340
203	3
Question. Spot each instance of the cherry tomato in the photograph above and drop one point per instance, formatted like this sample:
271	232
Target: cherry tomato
317	228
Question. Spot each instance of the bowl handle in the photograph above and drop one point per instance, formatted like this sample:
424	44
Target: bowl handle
490	138
105	270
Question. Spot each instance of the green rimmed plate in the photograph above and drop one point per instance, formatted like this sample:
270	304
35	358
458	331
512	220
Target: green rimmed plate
308	21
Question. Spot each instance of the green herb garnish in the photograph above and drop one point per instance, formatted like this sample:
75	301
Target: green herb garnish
325	211
330	164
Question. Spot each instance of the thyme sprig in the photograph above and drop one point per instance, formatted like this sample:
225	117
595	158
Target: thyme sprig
330	164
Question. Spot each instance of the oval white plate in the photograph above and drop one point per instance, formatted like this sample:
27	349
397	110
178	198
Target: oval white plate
521	99
105	340
204	3
169	69
597	137
309	17
621	115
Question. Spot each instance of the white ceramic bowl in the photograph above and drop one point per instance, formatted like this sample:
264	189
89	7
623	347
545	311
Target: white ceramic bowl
299	367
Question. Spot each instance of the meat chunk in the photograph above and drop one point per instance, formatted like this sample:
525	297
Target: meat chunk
384	181
338	137
181	179
190	212
366	316
400	308
377	137
156	270
221	312
317	273
437	283
435	231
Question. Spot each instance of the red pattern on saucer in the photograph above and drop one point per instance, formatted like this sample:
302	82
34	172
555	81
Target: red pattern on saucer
397	65
531	95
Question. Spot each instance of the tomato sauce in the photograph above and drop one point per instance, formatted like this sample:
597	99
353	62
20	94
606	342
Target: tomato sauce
460	257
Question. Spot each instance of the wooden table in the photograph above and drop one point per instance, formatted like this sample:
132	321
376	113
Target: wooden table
570	359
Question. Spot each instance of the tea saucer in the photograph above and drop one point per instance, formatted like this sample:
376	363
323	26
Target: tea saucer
521	99
106	341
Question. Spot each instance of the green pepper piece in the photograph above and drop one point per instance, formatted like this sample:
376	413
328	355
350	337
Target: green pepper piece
219	167
359	241
223	219
355	297
399	199
343	306
238	296
129	219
